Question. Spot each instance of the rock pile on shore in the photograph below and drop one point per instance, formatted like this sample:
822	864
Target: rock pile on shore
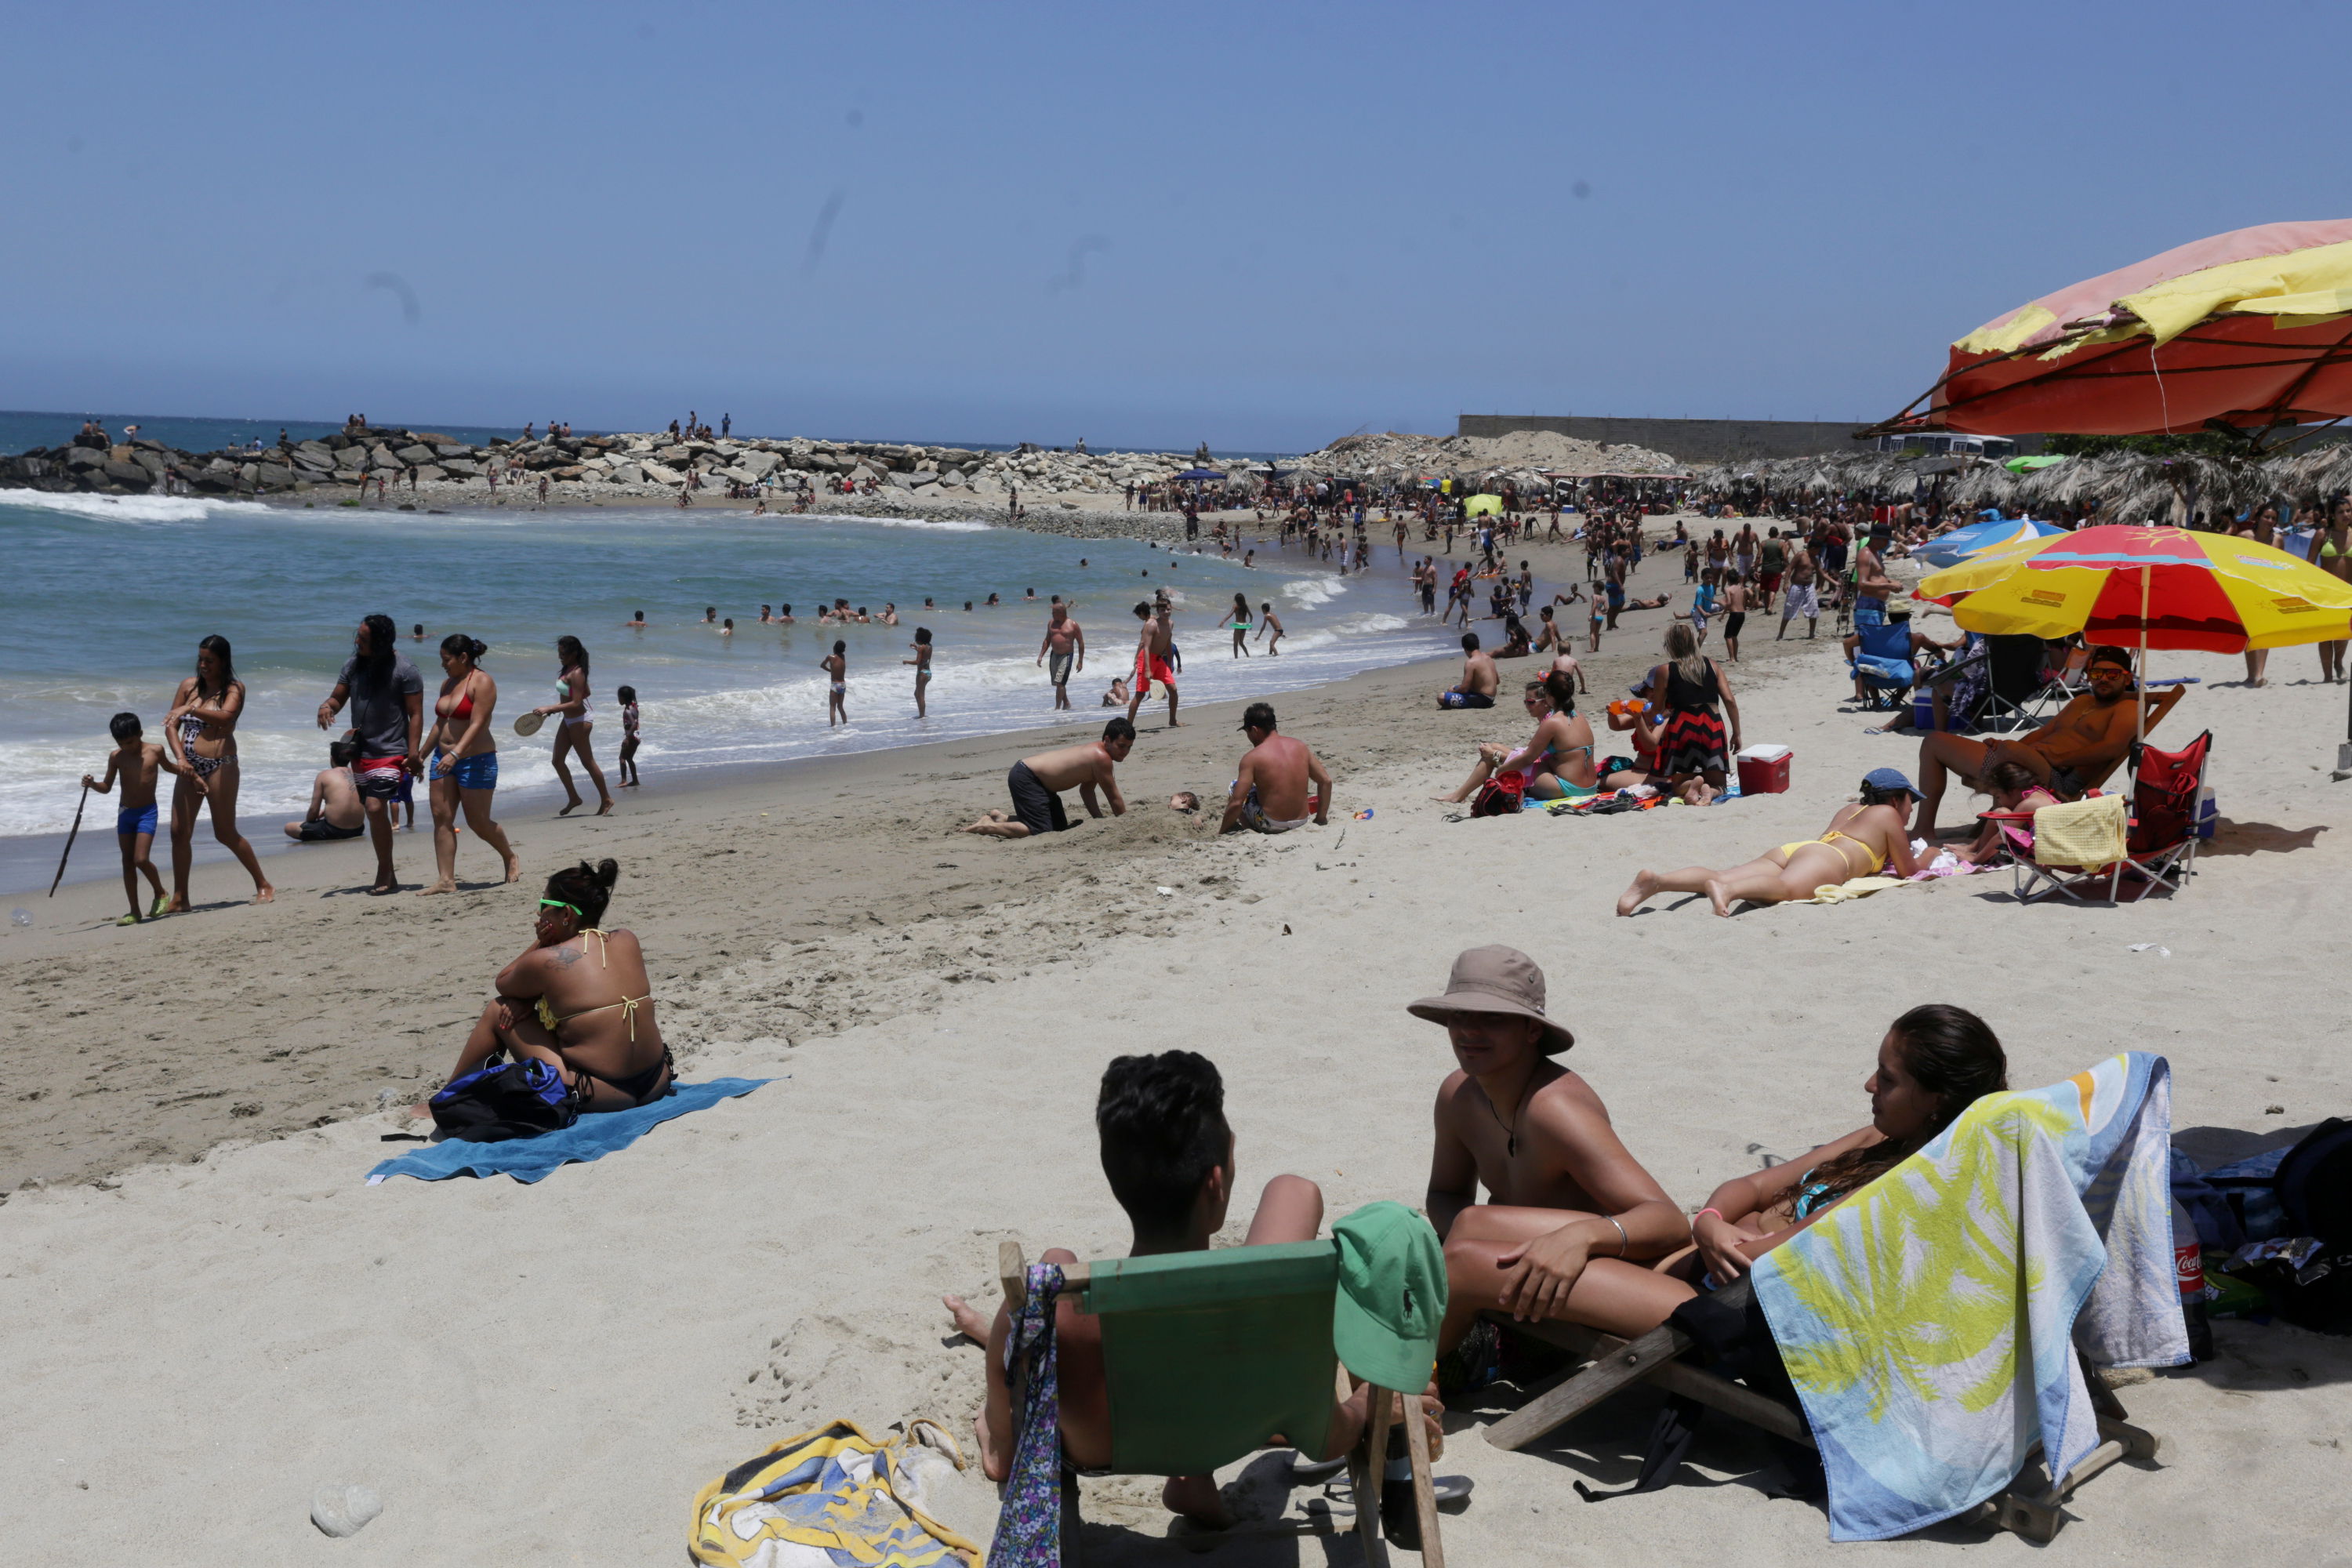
1522	455
620	465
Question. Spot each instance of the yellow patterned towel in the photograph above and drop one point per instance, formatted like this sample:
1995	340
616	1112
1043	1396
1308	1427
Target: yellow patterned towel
2087	833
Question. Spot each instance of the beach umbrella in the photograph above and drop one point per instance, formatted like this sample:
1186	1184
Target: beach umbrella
1201	474
2249	330
2027	465
1480	505
1951	549
2151	587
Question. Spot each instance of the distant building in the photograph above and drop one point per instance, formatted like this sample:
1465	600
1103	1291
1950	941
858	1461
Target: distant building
1941	443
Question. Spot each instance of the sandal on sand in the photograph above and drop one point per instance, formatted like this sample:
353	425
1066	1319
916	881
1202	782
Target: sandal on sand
128	921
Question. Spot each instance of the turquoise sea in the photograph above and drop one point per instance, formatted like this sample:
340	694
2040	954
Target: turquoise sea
107	597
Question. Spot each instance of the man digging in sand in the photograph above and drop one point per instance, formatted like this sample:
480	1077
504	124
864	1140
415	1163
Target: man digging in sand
1168	1154
1271	793
1036	785
1569	1217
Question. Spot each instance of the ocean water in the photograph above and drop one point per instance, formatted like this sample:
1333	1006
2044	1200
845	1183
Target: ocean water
107	599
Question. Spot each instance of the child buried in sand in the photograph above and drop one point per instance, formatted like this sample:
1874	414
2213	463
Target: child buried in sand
1168	1154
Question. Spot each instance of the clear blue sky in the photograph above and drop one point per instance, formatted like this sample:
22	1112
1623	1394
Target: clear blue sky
1264	225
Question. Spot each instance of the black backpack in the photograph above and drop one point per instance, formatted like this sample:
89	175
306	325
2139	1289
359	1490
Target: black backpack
495	1103
2314	1187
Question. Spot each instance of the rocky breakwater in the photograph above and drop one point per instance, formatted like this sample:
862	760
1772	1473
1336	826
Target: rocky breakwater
421	463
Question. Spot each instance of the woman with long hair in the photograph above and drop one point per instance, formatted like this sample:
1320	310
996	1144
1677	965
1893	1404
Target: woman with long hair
201	732
1689	688
571	732
1556	762
465	768
577	999
1933	1064
2331	552
1240	624
1862	839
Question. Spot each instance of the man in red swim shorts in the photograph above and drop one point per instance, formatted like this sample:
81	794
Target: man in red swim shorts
1152	663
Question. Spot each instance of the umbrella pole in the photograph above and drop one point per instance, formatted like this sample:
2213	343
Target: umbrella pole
2146	573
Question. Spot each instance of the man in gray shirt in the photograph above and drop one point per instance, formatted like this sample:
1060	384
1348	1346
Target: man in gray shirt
387	699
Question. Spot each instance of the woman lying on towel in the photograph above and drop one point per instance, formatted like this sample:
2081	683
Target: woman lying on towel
578	1000
1556	761
1862	839
1934	1063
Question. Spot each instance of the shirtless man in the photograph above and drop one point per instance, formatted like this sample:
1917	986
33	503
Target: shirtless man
1152	641
1570	1215
2082	741
1036	785
1168	1154
1479	680
1063	638
1872	586
1803	597
1270	795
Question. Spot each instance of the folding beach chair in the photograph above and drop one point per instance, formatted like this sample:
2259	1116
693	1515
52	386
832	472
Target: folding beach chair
1882	666
2036	1226
2031	1506
2065	849
2005	671
1209	1356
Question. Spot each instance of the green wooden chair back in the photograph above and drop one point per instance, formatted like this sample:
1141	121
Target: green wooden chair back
1209	1355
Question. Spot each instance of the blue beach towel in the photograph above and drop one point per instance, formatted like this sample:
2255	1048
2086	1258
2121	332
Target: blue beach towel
590	1138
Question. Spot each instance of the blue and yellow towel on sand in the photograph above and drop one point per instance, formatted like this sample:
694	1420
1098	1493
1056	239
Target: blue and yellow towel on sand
1929	1322
827	1497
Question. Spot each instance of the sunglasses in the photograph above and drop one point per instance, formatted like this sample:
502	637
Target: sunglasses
559	904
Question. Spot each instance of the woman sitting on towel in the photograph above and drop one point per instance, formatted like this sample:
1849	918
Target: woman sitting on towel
1934	1063
1556	762
1862	839
577	999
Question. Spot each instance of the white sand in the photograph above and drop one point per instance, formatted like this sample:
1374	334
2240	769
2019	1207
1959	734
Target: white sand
547	1374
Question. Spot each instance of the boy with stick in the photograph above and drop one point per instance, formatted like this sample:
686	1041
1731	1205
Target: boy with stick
139	761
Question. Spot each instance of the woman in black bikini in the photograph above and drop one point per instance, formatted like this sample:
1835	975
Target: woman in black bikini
579	1000
201	732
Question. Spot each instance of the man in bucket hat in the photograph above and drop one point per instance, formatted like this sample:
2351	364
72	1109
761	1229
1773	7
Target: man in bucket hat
1570	1218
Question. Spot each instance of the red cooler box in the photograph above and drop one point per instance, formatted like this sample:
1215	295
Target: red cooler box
1764	770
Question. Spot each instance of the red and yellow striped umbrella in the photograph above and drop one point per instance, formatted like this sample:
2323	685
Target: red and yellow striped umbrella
2150	587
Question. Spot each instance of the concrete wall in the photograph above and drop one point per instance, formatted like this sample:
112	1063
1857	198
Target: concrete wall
1692	440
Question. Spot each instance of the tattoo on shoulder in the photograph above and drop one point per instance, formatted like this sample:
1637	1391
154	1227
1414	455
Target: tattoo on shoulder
566	956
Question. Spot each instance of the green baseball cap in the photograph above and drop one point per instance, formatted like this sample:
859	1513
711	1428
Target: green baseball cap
1392	1296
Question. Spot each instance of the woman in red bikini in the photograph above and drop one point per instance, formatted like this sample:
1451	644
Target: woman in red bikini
465	769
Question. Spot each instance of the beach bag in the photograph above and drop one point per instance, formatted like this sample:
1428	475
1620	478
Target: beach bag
514	1100
833	1495
2303	1191
1499	796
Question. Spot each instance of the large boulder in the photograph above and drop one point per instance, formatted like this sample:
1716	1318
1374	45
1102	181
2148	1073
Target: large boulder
463	467
427	472
151	461
129	474
757	463
415	455
661	473
80	457
275	475
628	474
453	449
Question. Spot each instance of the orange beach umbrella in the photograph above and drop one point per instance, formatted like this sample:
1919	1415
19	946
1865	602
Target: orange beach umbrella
2249	330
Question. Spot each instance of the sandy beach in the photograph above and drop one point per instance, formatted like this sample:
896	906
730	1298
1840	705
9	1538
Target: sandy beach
209	1304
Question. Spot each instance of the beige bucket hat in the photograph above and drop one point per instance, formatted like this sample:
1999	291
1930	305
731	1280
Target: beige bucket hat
1495	980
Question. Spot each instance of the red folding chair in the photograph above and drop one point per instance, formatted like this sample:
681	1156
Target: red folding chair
2166	789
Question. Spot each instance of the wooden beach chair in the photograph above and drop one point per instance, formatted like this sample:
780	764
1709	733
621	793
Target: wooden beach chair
2031	1506
1209	1356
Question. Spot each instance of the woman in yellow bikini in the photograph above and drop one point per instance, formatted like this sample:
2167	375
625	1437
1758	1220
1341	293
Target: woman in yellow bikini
1864	839
579	1000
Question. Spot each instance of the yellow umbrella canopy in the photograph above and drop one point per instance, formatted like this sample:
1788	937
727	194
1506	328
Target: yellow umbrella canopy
1480	505
2154	587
